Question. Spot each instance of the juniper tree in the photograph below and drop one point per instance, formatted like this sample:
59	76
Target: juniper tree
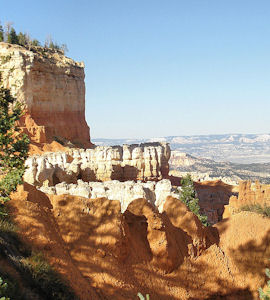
13	144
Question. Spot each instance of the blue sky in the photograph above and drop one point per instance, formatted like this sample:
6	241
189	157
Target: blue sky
162	67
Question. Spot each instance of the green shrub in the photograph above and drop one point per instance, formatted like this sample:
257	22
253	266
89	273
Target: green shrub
9	35
257	208
13	144
44	279
188	196
12	37
3	289
7	226
265	295
141	296
36	276
11	289
1	33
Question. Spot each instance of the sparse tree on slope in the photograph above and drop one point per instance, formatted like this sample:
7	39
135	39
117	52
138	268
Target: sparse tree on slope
188	196
13	145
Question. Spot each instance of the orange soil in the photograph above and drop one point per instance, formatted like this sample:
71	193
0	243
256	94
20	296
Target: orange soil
108	255
49	147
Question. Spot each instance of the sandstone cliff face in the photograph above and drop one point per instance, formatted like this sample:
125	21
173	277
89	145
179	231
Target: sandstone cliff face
51	87
129	162
249	194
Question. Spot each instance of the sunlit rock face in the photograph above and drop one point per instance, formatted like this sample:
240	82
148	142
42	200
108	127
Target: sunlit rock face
127	162
249	195
126	192
51	87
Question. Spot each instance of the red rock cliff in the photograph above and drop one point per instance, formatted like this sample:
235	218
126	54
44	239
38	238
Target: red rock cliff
51	87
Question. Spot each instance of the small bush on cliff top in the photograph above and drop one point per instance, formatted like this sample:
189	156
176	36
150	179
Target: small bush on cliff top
9	35
12	37
188	196
257	208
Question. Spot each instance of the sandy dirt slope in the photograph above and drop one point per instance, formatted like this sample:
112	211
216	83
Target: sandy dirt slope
108	255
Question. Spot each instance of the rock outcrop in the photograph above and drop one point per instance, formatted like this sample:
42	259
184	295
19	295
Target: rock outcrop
51	87
213	196
106	254
127	162
126	192
249	194
102	240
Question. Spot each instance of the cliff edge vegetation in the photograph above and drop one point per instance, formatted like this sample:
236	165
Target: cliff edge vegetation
8	34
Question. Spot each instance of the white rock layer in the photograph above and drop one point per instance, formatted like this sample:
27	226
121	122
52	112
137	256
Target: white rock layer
128	162
124	192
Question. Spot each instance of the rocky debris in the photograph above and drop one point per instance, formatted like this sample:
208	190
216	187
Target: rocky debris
51	87
249	194
130	162
125	192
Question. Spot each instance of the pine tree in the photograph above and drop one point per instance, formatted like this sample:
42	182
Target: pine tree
22	39
35	42
13	145
188	196
1	33
64	48
12	37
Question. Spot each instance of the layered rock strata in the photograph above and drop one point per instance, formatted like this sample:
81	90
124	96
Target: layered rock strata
127	162
51	87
